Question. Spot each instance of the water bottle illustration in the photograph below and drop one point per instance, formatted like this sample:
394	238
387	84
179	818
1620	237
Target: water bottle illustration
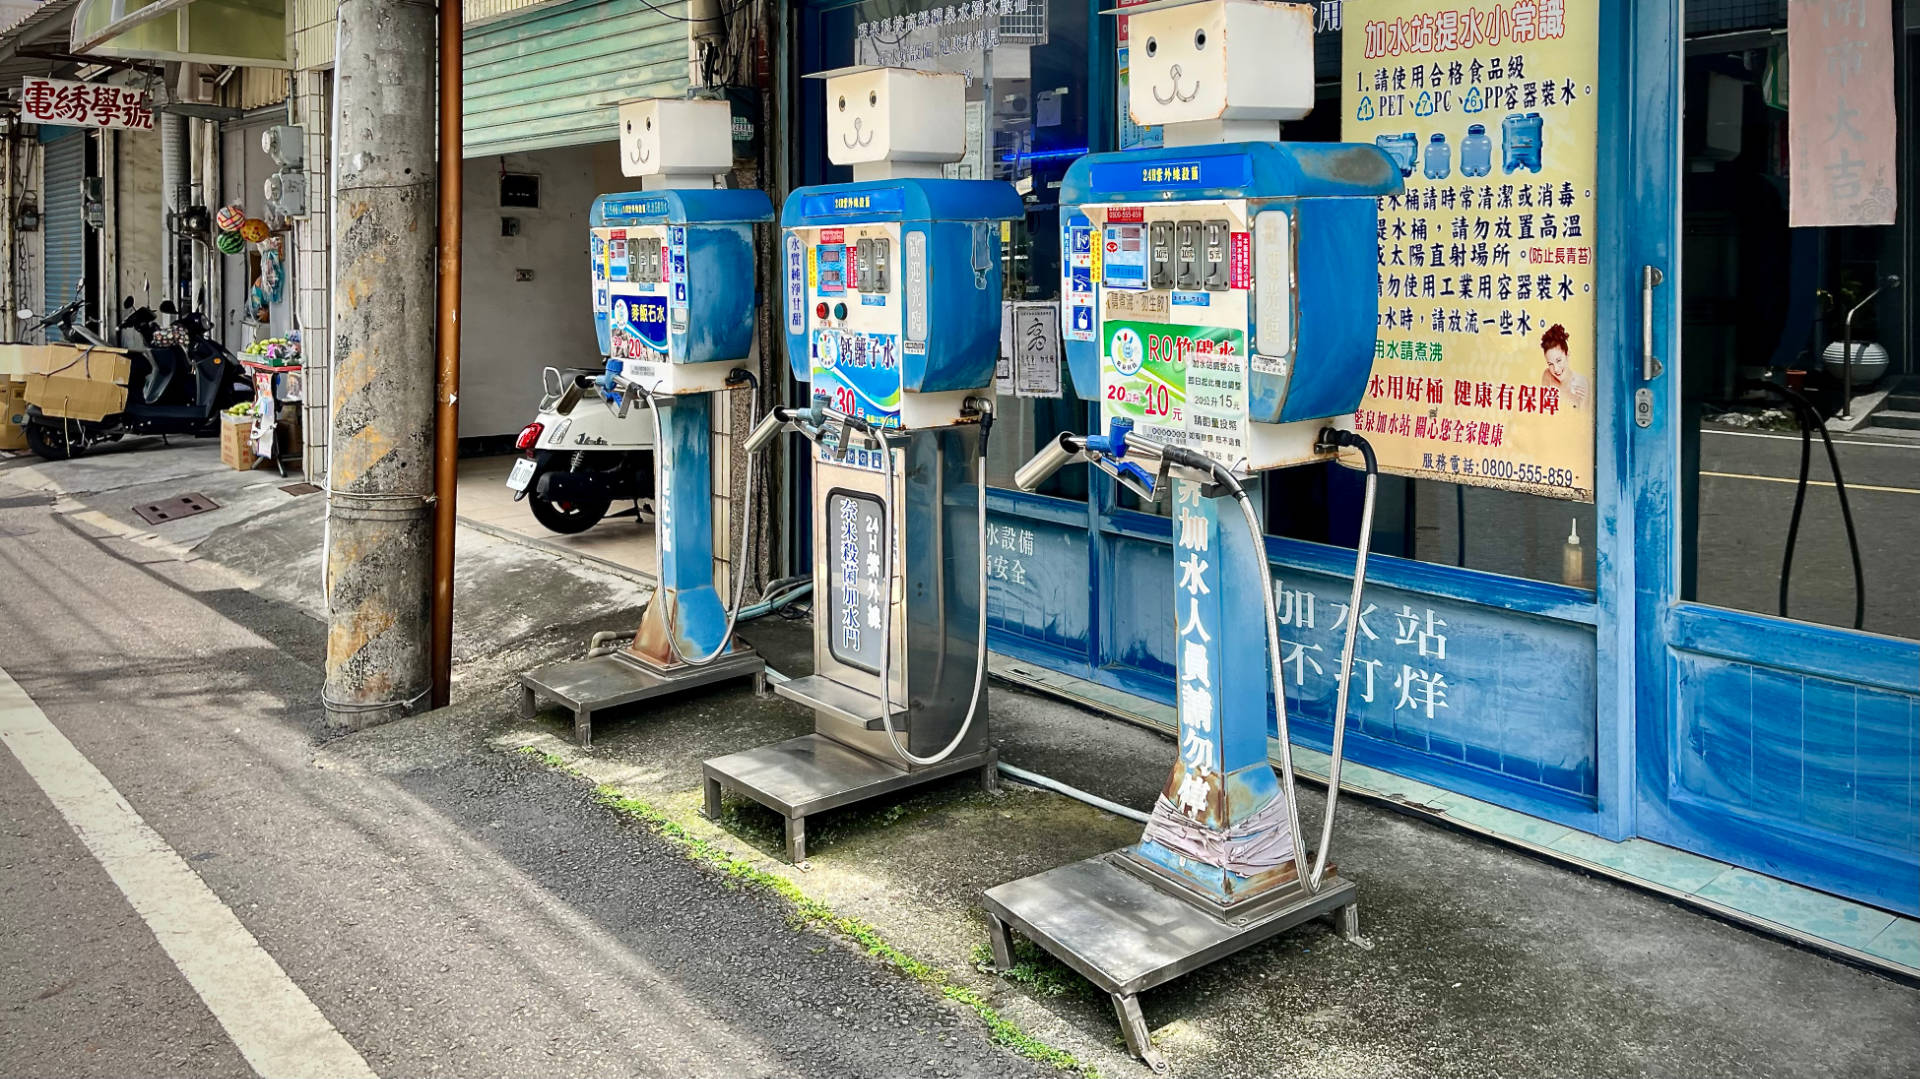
1404	149
1520	139
1439	159
1476	151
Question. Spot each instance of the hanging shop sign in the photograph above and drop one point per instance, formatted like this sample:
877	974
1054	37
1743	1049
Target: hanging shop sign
935	31
85	104
1842	137
1483	370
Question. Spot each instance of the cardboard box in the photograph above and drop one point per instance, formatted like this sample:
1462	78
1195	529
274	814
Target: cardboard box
13	412
236	442
76	383
17	360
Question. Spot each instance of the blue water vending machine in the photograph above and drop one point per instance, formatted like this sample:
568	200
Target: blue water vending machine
892	315
1219	303
674	302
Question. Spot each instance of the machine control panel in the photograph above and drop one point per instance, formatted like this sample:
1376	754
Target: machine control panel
673	286
1178	320
855	322
633	291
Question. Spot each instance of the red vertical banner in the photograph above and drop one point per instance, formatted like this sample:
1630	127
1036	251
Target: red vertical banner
1841	133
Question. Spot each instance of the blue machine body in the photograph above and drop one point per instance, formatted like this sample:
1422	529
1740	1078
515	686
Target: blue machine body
1329	191
673	273
673	279
1214	294
907	272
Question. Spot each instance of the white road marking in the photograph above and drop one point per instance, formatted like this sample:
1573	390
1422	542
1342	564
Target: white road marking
1795	438
273	1024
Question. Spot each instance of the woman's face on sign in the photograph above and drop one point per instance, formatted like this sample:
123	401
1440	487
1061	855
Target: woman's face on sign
1557	363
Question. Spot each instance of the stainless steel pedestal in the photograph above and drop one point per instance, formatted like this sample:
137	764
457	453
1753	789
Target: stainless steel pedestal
589	686
1110	919
813	773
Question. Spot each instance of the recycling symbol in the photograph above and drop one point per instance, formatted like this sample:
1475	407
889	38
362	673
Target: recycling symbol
1424	107
1473	103
1366	109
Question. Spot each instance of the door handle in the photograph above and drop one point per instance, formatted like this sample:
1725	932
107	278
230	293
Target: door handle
1650	279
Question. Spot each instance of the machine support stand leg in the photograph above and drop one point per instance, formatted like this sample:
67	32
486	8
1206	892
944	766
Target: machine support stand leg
796	839
1347	921
990	776
1133	1027
1002	943
713	798
529	702
583	728
760	685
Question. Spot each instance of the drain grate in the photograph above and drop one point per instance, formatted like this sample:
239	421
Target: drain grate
301	488
173	509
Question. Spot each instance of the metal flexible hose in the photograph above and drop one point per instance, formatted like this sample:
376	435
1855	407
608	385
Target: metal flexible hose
886	636
746	526
1338	748
1311	880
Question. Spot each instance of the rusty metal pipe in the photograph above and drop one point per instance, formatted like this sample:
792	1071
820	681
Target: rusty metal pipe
446	413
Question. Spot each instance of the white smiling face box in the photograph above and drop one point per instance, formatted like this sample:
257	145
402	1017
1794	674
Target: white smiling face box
668	137
893	114
1200	60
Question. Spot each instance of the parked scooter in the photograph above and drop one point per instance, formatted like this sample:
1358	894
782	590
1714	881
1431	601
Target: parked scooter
180	380
583	452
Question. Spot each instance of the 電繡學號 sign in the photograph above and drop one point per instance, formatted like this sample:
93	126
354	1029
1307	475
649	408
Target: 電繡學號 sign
85	104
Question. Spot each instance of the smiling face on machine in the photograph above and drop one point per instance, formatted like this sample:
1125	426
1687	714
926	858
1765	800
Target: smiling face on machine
879	114
675	137
1198	60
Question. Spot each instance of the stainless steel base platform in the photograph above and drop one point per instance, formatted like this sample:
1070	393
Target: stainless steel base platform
813	773
1126	932
589	686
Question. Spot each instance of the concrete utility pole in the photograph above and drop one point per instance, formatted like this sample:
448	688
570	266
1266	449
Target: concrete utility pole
379	512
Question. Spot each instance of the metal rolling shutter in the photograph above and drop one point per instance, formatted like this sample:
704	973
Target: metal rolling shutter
63	220
553	75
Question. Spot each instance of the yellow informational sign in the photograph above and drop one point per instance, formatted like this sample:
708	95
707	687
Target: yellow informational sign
1484	369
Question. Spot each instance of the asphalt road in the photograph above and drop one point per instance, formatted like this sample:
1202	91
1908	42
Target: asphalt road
449	909
1747	484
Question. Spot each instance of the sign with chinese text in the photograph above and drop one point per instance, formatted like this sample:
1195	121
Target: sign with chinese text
1842	137
915	37
1036	351
856	527
1179	384
1484	365
85	104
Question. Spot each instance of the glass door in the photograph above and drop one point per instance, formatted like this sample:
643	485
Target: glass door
1779	675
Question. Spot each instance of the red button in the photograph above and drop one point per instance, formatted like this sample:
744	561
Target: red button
820	310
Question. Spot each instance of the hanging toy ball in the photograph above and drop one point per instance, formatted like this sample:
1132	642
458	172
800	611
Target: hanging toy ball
253	230
230	218
230	243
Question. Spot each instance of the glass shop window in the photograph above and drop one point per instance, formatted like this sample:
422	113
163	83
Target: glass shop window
1027	120
1799	478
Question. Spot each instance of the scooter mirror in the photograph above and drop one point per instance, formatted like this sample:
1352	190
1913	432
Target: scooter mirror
126	304
166	307
24	312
